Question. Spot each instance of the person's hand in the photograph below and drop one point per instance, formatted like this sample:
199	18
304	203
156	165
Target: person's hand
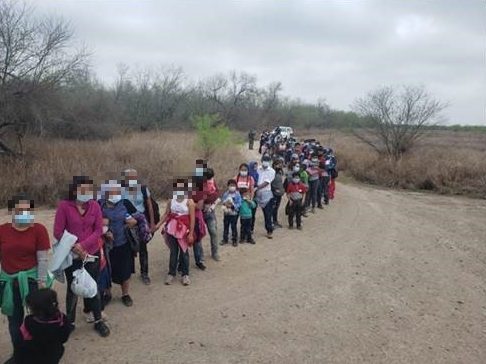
41	284
79	250
162	230
190	238
109	235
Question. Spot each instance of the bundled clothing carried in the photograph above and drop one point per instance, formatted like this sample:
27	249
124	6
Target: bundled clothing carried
231	201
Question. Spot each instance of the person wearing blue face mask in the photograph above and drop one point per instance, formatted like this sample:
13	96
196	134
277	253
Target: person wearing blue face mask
119	211
80	215
24	247
139	196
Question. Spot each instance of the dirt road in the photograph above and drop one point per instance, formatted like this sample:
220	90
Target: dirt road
378	277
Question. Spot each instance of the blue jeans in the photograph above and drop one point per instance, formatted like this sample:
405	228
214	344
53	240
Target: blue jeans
311	196
212	225
268	215
17	318
198	252
230	222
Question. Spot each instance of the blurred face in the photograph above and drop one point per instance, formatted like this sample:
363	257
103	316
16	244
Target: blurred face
85	189
243	172
22	214
114	194
131	178
180	190
201	169
84	193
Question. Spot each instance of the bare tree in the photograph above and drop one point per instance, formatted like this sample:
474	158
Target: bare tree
395	118
35	57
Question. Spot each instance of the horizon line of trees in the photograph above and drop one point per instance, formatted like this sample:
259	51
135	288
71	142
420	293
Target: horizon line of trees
48	89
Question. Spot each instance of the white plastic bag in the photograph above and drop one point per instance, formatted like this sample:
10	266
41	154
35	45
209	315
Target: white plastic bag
83	284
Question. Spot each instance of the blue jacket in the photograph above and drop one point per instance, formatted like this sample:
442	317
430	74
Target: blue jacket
252	171
236	197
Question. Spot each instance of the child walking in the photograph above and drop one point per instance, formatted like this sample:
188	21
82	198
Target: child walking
295	193
44	331
247	205
231	206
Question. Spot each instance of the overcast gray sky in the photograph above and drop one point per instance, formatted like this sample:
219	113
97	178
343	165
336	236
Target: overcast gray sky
332	49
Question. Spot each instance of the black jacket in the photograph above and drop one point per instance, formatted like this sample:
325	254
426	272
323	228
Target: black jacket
43	341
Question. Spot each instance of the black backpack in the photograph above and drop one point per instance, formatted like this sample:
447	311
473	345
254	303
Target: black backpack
155	206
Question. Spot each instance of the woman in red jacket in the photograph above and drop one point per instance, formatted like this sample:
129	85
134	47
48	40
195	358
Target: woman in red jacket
81	216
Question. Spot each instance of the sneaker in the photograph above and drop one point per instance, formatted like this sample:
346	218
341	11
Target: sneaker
169	279
269	236
251	241
277	225
291	227
242	241
89	317
201	266
127	300
320	207
146	280
186	281
326	203
224	242
216	257
299	227
102	329
235	243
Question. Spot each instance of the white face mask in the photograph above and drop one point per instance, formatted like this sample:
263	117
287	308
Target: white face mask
199	172
243	173
84	197
115	199
179	194
265	164
132	183
296	168
105	229
232	188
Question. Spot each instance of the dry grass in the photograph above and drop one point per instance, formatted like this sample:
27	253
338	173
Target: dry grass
444	162
45	171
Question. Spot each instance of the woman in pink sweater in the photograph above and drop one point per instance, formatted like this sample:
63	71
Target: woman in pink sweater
81	216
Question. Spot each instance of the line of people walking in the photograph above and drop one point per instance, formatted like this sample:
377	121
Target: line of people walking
99	233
